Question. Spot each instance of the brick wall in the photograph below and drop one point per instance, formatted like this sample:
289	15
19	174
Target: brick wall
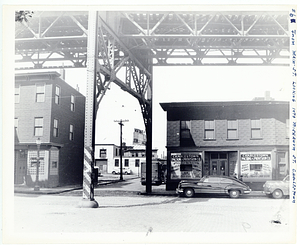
273	133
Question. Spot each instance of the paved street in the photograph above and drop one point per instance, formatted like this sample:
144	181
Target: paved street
153	218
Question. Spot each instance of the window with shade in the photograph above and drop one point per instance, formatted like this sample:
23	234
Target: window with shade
209	129
72	102
55	128
57	95
256	129
38	126
71	133
232	129
40	93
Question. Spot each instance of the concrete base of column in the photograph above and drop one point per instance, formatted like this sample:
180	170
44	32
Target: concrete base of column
86	203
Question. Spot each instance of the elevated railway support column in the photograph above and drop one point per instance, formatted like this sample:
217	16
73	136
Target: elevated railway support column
149	150
88	200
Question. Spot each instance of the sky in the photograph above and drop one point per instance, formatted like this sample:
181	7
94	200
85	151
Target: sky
181	84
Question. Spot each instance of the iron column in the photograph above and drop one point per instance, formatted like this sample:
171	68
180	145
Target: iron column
88	200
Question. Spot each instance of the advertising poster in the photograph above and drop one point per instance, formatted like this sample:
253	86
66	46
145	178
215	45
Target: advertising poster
256	165
186	165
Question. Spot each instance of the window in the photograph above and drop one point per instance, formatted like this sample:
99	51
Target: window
17	94
55	128
16	123
185	127
38	126
232	129
282	164
116	162
40	93
54	164
256	129
103	153
137	162
57	95
126	164
209	129
72	102
257	167
71	133
185	134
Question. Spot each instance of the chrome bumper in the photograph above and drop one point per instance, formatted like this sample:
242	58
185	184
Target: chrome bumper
179	191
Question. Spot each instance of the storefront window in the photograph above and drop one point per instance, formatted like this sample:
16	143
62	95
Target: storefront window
256	166
186	165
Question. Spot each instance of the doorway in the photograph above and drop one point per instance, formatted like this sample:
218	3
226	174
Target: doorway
218	164
20	166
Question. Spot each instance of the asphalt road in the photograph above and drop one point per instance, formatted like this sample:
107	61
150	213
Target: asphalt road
152	219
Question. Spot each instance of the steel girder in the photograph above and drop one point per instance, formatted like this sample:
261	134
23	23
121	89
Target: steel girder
208	38
56	39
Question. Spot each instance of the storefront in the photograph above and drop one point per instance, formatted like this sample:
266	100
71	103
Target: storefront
253	167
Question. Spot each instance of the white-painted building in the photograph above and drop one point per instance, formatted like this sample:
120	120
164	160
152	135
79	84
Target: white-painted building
107	157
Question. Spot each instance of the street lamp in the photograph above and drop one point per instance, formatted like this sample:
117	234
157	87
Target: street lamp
38	143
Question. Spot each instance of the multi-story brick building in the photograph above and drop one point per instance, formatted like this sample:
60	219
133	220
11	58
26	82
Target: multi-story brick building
49	109
107	157
248	139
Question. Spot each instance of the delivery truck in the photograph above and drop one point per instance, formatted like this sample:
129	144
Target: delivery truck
158	172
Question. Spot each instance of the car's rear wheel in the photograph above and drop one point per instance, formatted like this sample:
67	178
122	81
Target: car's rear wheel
277	194
189	192
234	193
113	172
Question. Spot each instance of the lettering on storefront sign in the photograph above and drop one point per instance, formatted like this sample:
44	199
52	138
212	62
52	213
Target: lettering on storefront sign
255	157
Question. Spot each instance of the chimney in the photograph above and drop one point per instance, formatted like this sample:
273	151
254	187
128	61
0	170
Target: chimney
63	73
267	95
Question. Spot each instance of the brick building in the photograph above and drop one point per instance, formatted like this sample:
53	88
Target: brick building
247	139
46	107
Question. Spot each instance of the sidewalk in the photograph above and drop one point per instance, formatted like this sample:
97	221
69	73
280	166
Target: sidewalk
111	184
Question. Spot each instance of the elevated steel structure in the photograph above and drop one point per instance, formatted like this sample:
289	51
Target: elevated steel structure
137	41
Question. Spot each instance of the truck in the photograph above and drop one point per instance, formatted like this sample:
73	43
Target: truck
158	172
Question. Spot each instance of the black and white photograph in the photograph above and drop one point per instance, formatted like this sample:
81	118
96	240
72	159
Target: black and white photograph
157	123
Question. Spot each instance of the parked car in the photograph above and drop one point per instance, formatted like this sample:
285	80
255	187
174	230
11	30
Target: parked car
124	171
213	184
277	188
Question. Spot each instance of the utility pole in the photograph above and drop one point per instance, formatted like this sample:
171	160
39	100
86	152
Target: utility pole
120	122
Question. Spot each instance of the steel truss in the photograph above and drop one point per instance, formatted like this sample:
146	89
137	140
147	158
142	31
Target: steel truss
138	41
